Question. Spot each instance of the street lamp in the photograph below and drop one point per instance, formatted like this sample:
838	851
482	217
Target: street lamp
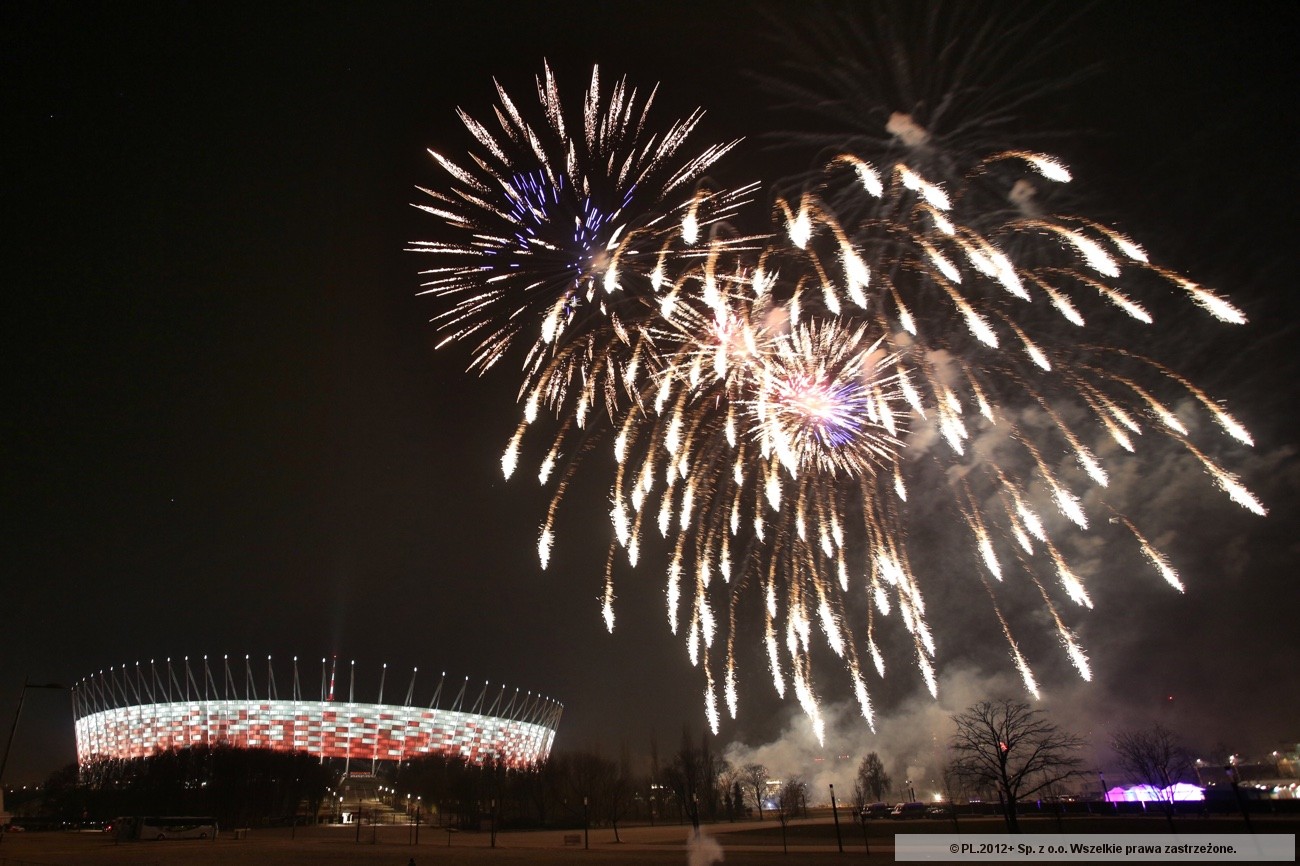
4	761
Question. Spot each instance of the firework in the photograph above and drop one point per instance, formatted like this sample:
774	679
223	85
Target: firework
817	380
764	463
562	231
773	398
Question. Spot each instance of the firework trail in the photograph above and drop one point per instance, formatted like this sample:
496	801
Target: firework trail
773	398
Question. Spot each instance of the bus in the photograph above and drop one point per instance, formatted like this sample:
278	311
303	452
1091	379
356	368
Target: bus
155	828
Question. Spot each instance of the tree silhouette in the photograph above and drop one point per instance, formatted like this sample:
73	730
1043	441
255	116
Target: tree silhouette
237	786
755	777
686	776
872	777
1154	757
1014	749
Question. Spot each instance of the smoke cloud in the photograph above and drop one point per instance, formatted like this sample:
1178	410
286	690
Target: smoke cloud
703	850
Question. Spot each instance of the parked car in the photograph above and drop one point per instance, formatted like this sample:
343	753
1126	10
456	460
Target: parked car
939	812
908	810
876	810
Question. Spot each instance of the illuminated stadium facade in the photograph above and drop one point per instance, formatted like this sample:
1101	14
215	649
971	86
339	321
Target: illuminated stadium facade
136	712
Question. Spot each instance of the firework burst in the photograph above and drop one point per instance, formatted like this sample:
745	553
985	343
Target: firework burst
562	232
814	385
773	398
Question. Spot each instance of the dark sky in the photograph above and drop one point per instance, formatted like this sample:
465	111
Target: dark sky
226	429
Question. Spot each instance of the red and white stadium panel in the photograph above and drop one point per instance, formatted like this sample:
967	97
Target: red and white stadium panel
326	728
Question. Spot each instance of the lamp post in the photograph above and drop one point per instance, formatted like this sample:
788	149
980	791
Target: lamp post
4	761
836	815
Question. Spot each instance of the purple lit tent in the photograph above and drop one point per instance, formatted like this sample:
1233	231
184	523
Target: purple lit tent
1182	791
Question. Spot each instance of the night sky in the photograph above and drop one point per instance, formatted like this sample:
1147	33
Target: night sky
227	431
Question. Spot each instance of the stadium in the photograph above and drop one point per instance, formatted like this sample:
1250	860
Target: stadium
135	712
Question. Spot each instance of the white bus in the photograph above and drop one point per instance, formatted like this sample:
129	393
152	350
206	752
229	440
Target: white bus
154	828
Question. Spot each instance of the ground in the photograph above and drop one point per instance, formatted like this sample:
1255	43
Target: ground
811	842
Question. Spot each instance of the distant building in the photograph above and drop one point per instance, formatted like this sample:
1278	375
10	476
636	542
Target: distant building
1272	776
134	713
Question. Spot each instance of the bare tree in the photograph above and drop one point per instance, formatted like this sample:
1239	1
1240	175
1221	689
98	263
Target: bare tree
685	776
952	788
535	784
1009	746
622	790
584	783
860	797
755	777
729	783
1154	757
713	768
872	776
792	801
